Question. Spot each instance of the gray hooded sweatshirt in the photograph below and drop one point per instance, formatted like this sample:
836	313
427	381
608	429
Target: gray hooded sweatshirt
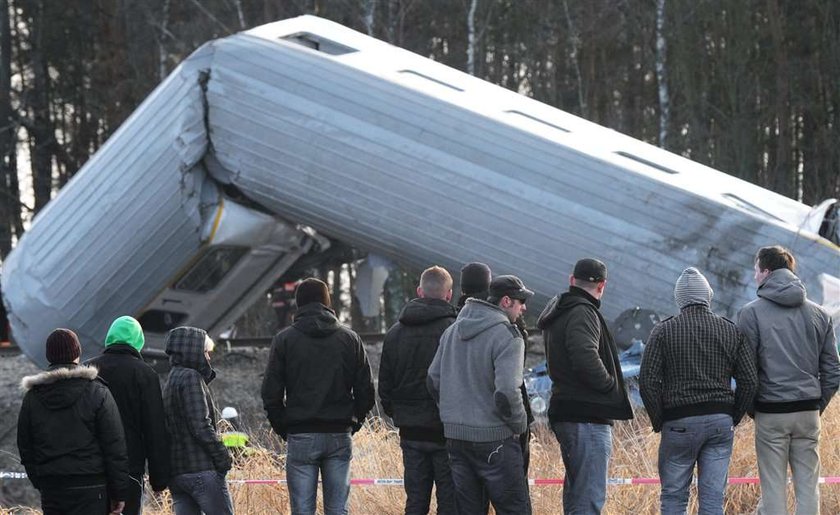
795	346
476	373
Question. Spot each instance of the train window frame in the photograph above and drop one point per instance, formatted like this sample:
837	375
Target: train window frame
211	279
748	206
161	321
319	43
429	78
539	120
646	162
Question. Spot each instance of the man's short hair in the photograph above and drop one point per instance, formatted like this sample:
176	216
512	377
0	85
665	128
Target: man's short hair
775	257
435	282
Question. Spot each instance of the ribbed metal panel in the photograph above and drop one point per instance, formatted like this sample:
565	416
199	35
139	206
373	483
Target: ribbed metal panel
125	223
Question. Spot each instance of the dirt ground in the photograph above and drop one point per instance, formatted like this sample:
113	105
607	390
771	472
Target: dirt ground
239	376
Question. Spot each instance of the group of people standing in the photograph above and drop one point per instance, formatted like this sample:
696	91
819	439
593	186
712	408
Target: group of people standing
88	433
700	374
451	378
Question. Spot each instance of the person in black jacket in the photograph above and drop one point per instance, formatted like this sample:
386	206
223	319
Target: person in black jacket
587	391
316	391
70	437
198	459
408	350
136	389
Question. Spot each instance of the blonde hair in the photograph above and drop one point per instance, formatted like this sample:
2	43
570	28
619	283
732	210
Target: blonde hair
435	282
209	344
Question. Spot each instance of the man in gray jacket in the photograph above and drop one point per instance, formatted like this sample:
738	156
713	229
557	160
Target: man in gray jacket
799	373
475	377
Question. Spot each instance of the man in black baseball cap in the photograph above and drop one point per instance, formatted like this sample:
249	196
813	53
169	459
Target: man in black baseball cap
590	270
587	392
508	286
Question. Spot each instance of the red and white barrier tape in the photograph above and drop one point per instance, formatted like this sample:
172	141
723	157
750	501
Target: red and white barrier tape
616	481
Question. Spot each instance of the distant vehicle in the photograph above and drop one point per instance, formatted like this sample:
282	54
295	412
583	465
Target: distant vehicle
329	133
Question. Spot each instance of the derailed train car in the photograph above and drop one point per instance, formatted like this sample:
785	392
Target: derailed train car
312	129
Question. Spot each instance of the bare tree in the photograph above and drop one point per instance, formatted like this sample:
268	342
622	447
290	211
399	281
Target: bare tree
661	74
471	39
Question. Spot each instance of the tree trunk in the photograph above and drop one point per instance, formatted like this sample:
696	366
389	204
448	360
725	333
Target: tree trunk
661	74
40	132
9	206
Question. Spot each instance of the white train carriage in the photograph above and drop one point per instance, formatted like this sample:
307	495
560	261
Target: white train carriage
391	152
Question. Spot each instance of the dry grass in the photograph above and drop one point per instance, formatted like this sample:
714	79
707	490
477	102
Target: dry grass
376	453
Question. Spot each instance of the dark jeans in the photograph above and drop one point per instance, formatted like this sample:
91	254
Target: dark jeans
427	464
586	451
200	492
706	441
494	466
311	453
134	499
85	500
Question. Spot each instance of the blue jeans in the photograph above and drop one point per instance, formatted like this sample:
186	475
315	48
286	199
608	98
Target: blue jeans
491	467
200	492
705	440
427	464
311	453
586	452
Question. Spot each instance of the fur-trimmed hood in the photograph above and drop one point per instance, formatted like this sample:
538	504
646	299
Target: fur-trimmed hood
60	386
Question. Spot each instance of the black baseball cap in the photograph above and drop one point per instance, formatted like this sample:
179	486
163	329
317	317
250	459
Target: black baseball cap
511	286
590	269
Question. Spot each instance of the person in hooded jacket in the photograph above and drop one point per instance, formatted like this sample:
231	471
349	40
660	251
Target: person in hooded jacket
317	391
136	388
587	392
475	378
798	374
198	460
407	352
475	284
70	437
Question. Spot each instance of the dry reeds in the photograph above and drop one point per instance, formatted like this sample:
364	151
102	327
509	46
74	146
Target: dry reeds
376	454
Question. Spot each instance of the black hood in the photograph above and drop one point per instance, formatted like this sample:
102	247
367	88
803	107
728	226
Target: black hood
423	311
60	386
316	320
559	304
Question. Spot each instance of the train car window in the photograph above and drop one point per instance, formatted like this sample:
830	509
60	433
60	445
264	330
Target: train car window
538	120
430	79
161	321
319	43
210	269
743	204
647	163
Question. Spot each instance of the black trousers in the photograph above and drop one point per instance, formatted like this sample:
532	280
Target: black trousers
134	498
83	500
427	464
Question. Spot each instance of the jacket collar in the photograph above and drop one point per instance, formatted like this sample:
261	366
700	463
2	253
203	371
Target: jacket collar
59	373
122	348
574	291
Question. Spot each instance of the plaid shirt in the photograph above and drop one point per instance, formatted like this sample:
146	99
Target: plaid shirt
189	409
691	359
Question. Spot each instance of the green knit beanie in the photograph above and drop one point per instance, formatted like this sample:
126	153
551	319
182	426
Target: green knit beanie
127	330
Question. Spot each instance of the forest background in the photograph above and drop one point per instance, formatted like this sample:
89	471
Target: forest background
750	87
